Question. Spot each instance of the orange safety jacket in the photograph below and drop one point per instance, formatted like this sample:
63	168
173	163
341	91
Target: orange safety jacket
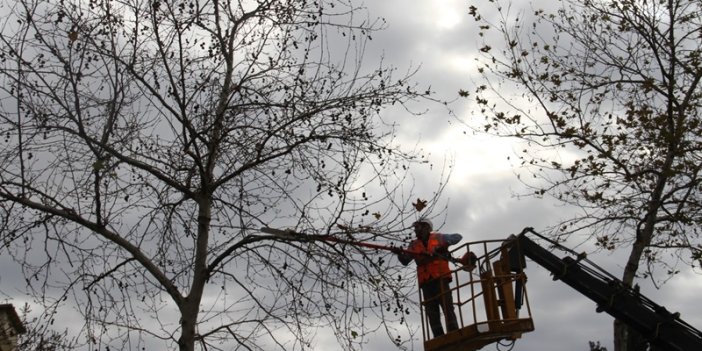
428	267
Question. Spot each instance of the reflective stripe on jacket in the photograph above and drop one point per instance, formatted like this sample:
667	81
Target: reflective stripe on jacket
429	268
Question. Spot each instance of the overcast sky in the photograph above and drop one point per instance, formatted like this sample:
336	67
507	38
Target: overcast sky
440	36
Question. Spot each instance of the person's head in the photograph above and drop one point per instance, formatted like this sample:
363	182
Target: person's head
422	228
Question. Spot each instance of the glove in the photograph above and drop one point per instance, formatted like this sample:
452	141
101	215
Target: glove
402	256
469	261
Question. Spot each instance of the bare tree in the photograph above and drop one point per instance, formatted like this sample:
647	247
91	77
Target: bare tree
39	335
607	96
146	142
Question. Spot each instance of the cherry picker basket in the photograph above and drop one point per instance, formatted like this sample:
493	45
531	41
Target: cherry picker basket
490	299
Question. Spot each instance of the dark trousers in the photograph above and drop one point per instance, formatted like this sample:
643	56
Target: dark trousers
436	293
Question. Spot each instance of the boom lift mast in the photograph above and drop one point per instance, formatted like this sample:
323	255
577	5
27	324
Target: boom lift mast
661	327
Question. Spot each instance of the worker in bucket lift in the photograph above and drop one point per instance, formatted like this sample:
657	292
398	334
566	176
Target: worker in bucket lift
429	251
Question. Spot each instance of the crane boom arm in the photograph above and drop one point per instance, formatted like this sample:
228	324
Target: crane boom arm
654	322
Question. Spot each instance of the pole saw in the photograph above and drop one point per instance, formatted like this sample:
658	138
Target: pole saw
468	260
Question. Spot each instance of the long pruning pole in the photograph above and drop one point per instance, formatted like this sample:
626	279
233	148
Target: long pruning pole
330	238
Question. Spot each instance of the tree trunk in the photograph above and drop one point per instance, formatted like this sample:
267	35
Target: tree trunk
191	305
644	236
188	321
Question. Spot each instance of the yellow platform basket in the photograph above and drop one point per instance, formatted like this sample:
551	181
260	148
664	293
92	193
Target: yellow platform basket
490	300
